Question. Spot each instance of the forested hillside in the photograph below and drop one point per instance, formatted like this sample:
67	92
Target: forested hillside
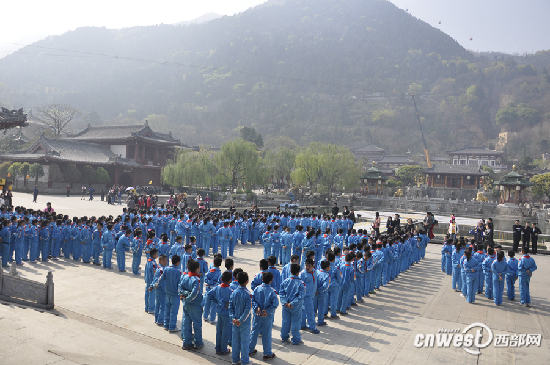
313	70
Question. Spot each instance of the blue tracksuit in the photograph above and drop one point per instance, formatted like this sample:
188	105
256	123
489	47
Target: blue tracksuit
137	252
472	269
293	292
266	241
170	277
160	295
276	246
488	275
264	298
511	277
33	242
499	270
455	261
297	239
286	239
122	243
308	244
211	279
526	263
225	237
150	269
191	324
240	305
310	281
219	296
334	289
96	242
321	296
5	234
108	244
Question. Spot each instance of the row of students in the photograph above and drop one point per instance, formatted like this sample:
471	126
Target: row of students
477	268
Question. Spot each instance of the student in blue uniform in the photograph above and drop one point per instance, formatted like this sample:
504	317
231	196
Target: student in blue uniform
5	235
458	252
108	244
137	251
170	277
499	269
122	243
291	296
191	324
272	260
472	268
526	266
203	265
212	280
487	266
346	284
219	296
160	291
225	236
150	269
309	277
286	243
511	275
264	304
334	287
285	273
266	241
240	305
258	279
321	294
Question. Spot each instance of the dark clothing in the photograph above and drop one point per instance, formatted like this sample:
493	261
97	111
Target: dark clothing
335	211
389	227
535	238
517	229
352	218
526	236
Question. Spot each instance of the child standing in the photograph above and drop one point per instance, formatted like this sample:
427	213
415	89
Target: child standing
499	269
220	296
191	324
171	277
321	295
212	279
526	266
292	297
511	275
264	304
276	274
160	291
150	269
240	305
309	277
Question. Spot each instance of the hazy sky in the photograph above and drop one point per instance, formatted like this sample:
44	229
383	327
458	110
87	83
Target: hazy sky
495	25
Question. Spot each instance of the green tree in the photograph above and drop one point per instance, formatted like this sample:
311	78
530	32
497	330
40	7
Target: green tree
102	176
541	187
526	163
24	171
36	170
327	166
87	174
520	114
4	167
71	173
239	162
190	168
415	88
250	135
408	174
279	163
15	171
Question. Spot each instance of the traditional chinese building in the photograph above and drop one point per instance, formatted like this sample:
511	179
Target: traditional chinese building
512	187
372	182
481	156
454	176
131	154
369	152
12	118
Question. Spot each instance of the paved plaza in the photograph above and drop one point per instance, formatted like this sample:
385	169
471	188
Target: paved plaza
99	317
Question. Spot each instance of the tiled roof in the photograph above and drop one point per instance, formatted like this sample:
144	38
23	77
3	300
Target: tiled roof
474	170
64	150
116	132
475	150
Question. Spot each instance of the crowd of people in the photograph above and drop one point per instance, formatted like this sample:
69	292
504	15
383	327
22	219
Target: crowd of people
316	267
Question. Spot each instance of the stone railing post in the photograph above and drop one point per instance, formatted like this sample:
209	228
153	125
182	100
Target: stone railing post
49	289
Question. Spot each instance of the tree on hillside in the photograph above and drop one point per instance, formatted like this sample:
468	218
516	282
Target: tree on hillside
516	114
57	116
250	135
279	163
239	162
408	174
326	165
541	187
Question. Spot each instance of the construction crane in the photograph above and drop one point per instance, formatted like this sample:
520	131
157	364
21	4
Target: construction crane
422	133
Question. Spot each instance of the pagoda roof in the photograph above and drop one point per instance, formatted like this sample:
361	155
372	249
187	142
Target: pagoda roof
64	150
12	118
468	150
472	170
123	132
375	174
395	159
514	178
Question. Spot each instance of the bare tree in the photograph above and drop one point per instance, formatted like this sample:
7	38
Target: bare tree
57	116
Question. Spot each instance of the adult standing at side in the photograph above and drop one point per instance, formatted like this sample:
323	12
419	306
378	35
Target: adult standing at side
527	231
517	229
335	210
35	194
376	224
535	231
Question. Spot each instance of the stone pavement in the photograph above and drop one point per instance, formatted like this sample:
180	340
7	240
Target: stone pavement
99	318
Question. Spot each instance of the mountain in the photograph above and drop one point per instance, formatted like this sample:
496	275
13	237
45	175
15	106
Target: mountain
201	19
312	70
